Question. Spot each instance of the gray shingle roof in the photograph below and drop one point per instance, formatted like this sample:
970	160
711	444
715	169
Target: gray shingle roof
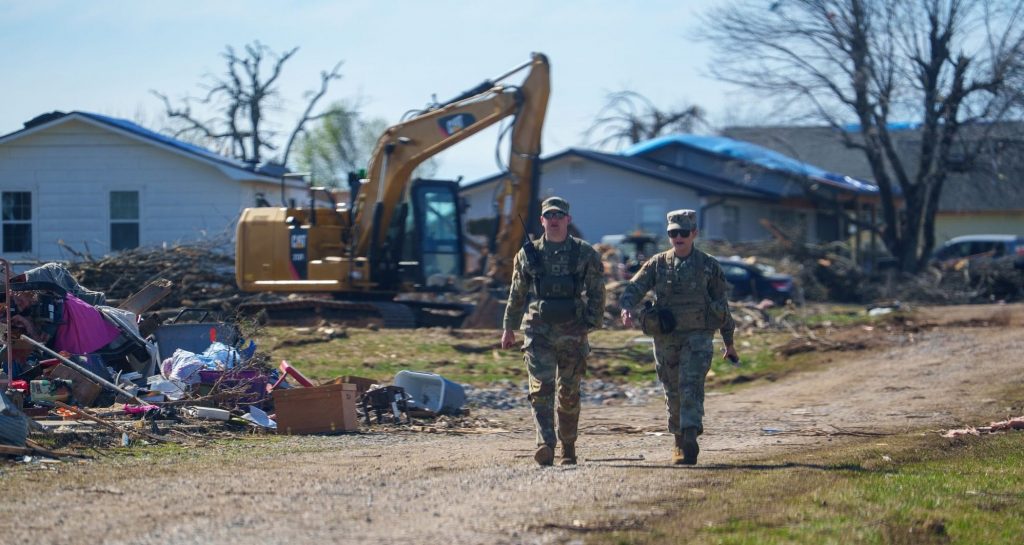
265	169
700	182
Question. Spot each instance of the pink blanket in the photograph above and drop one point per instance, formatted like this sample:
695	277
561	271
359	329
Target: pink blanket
84	330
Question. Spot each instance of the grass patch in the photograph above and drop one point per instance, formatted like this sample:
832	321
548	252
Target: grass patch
471	357
827	315
475	357
905	490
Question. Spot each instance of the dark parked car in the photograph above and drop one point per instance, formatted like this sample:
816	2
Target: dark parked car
979	247
756	281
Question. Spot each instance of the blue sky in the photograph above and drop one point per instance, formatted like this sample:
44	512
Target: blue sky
104	56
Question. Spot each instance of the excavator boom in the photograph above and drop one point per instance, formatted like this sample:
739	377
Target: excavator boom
406	145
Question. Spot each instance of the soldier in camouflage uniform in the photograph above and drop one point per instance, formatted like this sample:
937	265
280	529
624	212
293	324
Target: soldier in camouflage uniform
555	270
690	302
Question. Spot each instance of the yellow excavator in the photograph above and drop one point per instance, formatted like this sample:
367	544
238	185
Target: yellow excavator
397	235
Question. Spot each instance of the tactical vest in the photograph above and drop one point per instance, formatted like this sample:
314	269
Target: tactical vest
556	282
685	292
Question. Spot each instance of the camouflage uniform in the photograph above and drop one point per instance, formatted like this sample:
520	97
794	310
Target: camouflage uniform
556	353
694	289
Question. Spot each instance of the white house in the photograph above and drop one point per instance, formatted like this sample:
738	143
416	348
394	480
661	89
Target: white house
101	184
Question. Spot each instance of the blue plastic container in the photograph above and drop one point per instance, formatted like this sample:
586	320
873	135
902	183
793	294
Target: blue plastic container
431	391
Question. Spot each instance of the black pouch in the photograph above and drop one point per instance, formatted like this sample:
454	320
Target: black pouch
666	320
655	320
557	311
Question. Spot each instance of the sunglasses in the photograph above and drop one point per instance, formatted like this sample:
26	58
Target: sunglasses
678	233
554	214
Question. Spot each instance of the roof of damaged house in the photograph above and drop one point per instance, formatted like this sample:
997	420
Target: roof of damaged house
236	168
743	151
698	181
990	182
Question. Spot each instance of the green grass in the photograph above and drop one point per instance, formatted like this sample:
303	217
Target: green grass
465	356
474	356
906	490
815	316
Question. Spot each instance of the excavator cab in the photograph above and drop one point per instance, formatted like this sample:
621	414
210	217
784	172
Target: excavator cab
432	243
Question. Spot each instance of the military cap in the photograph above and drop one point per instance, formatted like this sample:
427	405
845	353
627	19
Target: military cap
682	219
554	203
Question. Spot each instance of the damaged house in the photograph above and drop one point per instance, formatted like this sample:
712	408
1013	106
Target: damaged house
742	192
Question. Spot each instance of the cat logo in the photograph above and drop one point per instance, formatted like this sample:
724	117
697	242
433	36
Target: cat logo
454	123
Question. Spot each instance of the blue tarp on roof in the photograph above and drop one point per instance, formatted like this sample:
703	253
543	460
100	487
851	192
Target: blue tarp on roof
752	153
893	127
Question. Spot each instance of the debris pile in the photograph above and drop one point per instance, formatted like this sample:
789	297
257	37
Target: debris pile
993	427
203	274
828	272
82	373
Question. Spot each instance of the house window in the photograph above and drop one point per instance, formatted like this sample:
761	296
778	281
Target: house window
650	215
17	220
124	220
792	224
731	223
576	171
827	227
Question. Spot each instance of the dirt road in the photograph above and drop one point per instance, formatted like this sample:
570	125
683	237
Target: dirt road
484	488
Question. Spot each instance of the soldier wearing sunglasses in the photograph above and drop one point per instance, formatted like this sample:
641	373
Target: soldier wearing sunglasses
690	303
564	278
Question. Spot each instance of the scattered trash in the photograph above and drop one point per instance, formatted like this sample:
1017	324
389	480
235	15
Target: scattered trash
13	423
210	413
431	391
170	382
260	418
993	427
319	409
385	400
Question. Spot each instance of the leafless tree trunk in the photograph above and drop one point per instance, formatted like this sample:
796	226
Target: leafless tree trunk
946	64
241	98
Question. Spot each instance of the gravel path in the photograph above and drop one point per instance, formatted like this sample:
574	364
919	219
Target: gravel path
482	488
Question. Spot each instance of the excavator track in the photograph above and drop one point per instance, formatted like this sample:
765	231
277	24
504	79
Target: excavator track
310	311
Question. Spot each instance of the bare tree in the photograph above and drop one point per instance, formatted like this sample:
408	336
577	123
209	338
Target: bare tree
947	64
629	118
242	98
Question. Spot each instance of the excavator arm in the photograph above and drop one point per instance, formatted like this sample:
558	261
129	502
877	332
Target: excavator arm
406	145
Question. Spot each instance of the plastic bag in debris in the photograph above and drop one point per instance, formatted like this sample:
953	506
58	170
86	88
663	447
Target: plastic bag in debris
224	356
184	366
173	389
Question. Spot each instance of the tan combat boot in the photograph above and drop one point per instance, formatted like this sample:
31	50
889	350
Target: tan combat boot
545	455
568	454
677	450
